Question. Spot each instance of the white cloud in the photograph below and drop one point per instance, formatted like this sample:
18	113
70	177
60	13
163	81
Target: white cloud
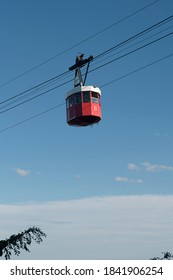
95	228
158	134
121	179
128	180
156	167
140	181
77	176
22	172
132	166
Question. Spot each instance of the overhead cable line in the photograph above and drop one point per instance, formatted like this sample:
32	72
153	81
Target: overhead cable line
135	50
79	43
137	70
36	96
49	81
33	91
98	67
35	87
152	27
137	43
57	77
104	85
32	117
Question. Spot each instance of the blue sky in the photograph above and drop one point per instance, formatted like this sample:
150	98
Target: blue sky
129	153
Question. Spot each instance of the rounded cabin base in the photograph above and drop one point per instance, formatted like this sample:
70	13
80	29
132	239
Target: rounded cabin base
84	121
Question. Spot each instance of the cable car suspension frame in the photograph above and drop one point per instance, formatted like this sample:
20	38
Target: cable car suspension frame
80	62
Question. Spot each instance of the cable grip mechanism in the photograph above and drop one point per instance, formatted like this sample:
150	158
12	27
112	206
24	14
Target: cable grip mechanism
80	62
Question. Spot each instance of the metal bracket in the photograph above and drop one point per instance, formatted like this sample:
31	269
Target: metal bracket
80	62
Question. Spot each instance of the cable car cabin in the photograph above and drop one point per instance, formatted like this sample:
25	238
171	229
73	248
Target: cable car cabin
83	106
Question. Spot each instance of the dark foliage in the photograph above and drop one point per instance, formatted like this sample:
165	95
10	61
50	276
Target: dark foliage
166	256
19	241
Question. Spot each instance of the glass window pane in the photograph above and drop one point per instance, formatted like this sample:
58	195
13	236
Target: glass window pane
95	94
71	100
78	97
95	97
67	102
86	96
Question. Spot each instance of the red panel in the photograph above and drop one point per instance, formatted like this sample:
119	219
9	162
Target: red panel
78	110
86	109
95	109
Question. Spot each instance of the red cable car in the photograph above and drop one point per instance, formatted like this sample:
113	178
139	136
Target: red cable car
83	104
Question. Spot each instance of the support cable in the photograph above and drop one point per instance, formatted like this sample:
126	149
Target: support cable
104	85
79	43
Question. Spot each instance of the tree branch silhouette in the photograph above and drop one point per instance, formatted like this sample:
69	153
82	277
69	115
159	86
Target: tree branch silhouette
166	256
19	241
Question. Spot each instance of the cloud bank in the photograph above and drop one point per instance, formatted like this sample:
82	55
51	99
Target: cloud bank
149	167
22	172
156	167
113	227
128	180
